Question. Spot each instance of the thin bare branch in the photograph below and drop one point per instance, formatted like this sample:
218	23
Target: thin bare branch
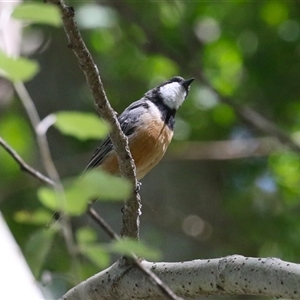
101	222
50	168
53	177
225	150
132	207
41	139
23	165
166	291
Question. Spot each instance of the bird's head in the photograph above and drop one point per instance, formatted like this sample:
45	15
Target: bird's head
173	92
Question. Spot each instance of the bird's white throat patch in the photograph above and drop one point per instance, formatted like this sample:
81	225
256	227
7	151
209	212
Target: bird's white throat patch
173	94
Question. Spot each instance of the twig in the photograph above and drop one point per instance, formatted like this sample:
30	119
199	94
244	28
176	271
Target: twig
23	165
49	166
132	207
166	291
43	146
41	139
101	222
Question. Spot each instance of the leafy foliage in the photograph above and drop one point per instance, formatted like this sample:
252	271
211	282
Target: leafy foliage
249	51
17	69
81	125
38	13
79	191
88	246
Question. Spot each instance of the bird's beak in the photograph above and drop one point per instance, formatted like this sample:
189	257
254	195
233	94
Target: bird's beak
187	83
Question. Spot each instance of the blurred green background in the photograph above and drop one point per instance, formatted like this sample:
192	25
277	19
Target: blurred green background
223	187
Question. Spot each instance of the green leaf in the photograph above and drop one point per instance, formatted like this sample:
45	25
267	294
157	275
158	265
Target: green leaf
38	13
99	184
127	246
95	184
97	254
86	236
37	249
17	69
47	196
81	125
39	217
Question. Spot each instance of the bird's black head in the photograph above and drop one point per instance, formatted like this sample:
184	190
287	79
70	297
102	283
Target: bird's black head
172	92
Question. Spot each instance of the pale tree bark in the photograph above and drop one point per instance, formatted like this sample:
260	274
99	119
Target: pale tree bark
232	275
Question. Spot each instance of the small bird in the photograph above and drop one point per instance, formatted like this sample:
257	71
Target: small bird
148	124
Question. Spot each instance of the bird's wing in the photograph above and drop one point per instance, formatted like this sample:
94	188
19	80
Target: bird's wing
128	122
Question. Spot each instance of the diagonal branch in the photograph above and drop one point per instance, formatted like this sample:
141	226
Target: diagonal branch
49	167
165	290
132	207
42	141
101	222
23	165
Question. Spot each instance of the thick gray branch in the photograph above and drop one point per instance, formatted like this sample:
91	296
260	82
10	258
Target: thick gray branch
232	275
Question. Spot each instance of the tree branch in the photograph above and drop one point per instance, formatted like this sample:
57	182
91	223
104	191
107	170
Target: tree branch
132	207
165	290
225	150
232	275
101	222
23	165
41	140
50	168
11	43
